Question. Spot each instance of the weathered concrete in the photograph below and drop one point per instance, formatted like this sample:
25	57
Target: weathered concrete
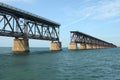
101	47
97	46
20	45
72	46
82	46
89	46
94	46
55	46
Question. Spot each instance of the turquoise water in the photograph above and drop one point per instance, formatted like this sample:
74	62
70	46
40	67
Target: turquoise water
41	64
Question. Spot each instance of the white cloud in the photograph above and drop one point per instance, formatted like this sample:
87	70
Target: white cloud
107	10
103	9
76	21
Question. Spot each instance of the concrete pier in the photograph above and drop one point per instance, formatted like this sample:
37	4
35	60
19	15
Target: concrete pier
97	46
82	46
87	42
55	46
72	46
20	45
89	46
101	47
94	46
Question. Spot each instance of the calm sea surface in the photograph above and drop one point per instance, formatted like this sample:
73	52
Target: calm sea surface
41	64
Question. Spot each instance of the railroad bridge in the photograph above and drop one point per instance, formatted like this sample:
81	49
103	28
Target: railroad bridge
24	25
87	42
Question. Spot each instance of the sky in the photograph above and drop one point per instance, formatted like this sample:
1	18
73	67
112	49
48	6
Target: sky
98	18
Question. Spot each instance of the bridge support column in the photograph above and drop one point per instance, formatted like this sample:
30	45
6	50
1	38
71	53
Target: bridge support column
82	46
72	46
20	45
101	47
55	46
94	46
97	46
89	46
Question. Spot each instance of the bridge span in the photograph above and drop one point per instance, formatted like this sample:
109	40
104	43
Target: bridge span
24	25
87	42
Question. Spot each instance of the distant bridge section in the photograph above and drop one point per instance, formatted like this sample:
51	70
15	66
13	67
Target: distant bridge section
87	42
24	25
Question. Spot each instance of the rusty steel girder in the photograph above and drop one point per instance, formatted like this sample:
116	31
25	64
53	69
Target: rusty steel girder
18	23
79	37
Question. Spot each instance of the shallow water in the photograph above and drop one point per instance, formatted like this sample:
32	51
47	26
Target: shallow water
42	64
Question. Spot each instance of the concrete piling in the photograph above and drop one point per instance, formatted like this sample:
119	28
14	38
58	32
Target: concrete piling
20	45
55	46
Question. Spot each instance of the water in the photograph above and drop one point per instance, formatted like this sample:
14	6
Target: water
41	64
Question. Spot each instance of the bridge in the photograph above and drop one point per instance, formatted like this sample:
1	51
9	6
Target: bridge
87	42
24	25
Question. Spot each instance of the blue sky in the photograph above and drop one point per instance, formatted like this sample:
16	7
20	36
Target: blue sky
99	18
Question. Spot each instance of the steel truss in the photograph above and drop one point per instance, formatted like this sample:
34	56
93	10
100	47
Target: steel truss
20	27
79	37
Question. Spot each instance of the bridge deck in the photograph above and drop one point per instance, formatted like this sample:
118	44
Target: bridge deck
24	14
90	37
17	23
